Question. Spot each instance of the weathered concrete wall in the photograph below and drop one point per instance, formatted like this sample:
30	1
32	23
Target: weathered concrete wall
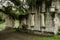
59	19
49	23
9	22
38	20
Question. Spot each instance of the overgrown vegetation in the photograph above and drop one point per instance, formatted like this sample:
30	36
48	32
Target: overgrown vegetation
56	37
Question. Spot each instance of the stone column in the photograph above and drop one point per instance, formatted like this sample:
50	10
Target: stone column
42	20
42	14
32	19
42	28
42	23
56	21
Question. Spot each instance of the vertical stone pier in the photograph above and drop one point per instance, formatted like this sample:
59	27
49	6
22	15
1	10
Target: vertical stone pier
56	22
42	20
32	19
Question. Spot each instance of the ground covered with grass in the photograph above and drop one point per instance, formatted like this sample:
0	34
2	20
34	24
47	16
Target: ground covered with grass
4	35
56	37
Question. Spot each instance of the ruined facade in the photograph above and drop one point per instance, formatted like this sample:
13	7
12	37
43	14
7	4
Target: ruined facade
46	18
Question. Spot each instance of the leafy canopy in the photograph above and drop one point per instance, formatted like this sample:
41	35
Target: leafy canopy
16	10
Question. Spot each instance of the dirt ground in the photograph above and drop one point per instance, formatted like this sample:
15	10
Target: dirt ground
4	35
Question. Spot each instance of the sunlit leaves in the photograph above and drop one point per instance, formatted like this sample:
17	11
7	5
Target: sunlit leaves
16	10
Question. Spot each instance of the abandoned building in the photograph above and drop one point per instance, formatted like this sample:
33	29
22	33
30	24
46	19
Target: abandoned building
44	17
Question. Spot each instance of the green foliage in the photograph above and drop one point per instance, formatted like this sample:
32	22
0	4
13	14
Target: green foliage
1	17
37	3
15	11
16	2
48	3
56	37
31	2
9	11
